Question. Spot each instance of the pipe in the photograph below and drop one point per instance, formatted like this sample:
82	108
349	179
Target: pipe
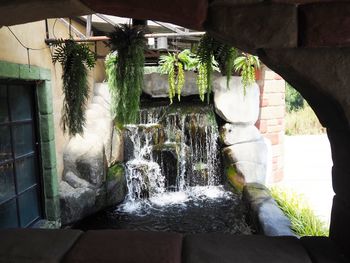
155	35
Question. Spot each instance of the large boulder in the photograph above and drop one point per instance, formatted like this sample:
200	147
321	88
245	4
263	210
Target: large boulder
255	152
246	163
232	105
75	203
231	134
84	188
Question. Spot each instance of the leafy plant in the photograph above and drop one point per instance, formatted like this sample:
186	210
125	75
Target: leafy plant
246	65
125	72
209	51
294	101
304	222
75	60
174	65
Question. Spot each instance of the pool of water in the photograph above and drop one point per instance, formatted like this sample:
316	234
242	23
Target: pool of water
200	209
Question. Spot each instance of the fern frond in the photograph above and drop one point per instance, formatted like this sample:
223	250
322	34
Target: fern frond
75	59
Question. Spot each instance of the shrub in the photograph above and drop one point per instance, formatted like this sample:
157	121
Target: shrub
294	101
303	121
304	222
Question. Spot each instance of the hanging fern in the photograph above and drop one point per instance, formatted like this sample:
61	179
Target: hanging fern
129	44
75	59
209	51
246	65
202	81
174	65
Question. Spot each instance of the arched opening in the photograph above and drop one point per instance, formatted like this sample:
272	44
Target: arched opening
284	40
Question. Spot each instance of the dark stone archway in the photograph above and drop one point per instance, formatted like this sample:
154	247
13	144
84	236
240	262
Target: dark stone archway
320	75
307	46
303	40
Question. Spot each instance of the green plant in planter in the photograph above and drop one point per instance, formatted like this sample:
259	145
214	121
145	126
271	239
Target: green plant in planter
246	65
212	54
174	65
125	72
75	59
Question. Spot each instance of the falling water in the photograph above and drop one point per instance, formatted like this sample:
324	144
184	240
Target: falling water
171	150
174	177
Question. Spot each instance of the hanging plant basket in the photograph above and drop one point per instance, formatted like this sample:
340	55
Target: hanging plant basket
75	60
125	72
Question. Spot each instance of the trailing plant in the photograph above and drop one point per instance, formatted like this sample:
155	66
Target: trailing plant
125	72
174	65
246	65
209	51
304	222
75	59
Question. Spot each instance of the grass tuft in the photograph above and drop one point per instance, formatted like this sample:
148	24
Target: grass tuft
304	222
302	122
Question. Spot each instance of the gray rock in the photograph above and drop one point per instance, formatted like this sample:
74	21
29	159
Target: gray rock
101	89
252	172
156	85
84	189
75	181
255	152
232	105
116	185
75	203
117	149
92	165
231	134
267	217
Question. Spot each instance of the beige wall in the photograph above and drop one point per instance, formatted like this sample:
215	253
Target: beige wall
33	35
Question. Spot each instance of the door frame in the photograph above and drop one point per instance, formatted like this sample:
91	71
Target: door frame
46	131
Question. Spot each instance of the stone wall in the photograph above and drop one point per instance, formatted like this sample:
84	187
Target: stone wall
87	184
271	121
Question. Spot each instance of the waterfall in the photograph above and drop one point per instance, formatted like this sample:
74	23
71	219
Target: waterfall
171	149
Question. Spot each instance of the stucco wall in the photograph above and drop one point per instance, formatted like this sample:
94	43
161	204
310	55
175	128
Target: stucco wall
33	35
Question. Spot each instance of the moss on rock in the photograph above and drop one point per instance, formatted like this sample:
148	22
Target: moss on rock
115	171
235	178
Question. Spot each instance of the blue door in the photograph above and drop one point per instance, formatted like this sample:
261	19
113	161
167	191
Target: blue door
20	194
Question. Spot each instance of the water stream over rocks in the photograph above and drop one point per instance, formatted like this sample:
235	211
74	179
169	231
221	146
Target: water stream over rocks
174	176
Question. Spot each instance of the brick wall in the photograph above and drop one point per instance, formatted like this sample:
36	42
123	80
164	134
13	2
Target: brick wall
271	117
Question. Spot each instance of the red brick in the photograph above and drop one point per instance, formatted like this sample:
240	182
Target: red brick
272	112
274	86
274	128
264	102
270	75
261	125
274	99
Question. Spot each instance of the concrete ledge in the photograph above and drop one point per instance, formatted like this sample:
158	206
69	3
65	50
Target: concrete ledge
265	214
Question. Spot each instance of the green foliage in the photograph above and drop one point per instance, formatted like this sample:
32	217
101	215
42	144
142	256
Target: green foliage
246	65
174	65
294	101
129	43
116	170
202	81
75	59
303	121
209	51
304	222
